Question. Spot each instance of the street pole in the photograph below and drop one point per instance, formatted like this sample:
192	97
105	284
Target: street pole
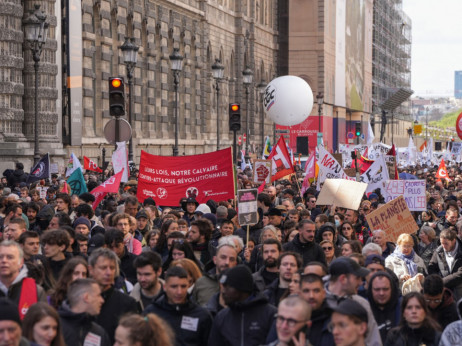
234	147
247	124
130	110
218	115
426	125
176	82
36	131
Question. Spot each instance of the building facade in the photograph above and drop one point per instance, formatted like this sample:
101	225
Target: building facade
240	33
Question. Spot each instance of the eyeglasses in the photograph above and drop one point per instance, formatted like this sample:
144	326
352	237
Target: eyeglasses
290	321
436	301
327	248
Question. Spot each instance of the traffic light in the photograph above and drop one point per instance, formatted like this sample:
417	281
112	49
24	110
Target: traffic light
358	130
234	116
116	96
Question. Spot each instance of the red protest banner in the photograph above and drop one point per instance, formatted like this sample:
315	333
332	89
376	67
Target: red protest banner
111	185
167	179
90	165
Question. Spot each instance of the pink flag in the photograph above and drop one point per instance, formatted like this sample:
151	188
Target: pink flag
109	186
310	172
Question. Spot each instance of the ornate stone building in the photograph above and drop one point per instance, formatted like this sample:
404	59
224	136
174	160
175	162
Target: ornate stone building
240	33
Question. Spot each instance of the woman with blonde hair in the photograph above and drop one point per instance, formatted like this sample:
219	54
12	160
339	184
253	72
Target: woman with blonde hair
191	268
404	262
136	330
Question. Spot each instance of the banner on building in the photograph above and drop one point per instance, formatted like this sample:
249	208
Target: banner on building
413	192
167	179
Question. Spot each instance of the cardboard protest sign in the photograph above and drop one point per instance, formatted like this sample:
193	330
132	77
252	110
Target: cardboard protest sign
329	167
247	206
167	179
394	218
262	171
413	192
343	193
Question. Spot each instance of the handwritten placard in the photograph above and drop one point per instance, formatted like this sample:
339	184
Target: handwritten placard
394	218
413	192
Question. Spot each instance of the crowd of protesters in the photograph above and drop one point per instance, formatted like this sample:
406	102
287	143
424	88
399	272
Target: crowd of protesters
135	273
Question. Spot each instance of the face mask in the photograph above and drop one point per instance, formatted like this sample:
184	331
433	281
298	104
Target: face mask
337	223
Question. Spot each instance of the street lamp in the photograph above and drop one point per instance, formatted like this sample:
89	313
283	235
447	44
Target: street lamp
217	71
35	30
261	89
320	100
130	51
248	76
177	65
426	125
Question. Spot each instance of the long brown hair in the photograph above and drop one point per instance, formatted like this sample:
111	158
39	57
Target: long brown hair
58	295
428	322
150	330
35	314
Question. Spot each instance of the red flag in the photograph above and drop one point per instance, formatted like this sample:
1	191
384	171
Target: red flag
363	163
442	171
422	147
109	186
90	165
282	164
65	189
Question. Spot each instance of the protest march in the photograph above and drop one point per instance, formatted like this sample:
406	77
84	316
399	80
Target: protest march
197	250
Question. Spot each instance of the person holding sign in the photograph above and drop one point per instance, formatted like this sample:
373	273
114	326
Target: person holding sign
404	262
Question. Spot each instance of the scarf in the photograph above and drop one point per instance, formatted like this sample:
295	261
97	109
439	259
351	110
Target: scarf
408	260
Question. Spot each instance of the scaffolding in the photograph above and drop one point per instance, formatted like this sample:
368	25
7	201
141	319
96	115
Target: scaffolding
391	51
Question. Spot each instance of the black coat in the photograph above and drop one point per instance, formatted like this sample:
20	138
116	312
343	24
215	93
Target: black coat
245	323
309	251
116	304
405	336
127	268
75	328
17	177
446	312
318	333
190	321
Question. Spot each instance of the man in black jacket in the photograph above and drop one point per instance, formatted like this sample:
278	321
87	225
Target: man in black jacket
104	267
304	244
18	176
440	300
190	321
271	249
447	262
384	301
114	240
84	302
248	318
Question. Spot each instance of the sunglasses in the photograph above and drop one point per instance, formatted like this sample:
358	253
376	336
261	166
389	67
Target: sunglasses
328	248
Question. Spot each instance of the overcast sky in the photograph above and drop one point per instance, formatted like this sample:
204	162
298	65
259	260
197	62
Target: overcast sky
436	45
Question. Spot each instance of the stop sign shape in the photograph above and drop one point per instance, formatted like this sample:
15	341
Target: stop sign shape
459	125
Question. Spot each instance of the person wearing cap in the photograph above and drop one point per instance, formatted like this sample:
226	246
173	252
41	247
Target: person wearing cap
384	299
345	278
275	217
349	323
248	316
10	325
191	322
82	226
304	243
189	206
201	210
143	223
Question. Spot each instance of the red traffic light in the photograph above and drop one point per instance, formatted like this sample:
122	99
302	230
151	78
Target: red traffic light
234	108
116	83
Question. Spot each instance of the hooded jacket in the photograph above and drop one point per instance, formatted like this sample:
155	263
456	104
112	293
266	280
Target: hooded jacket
17	177
446	312
14	291
245	323
452	334
387	316
43	218
309	251
76	327
190	322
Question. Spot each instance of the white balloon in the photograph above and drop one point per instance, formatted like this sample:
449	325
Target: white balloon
288	100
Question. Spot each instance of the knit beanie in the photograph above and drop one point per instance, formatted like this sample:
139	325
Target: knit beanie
238	277
9	311
82	221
